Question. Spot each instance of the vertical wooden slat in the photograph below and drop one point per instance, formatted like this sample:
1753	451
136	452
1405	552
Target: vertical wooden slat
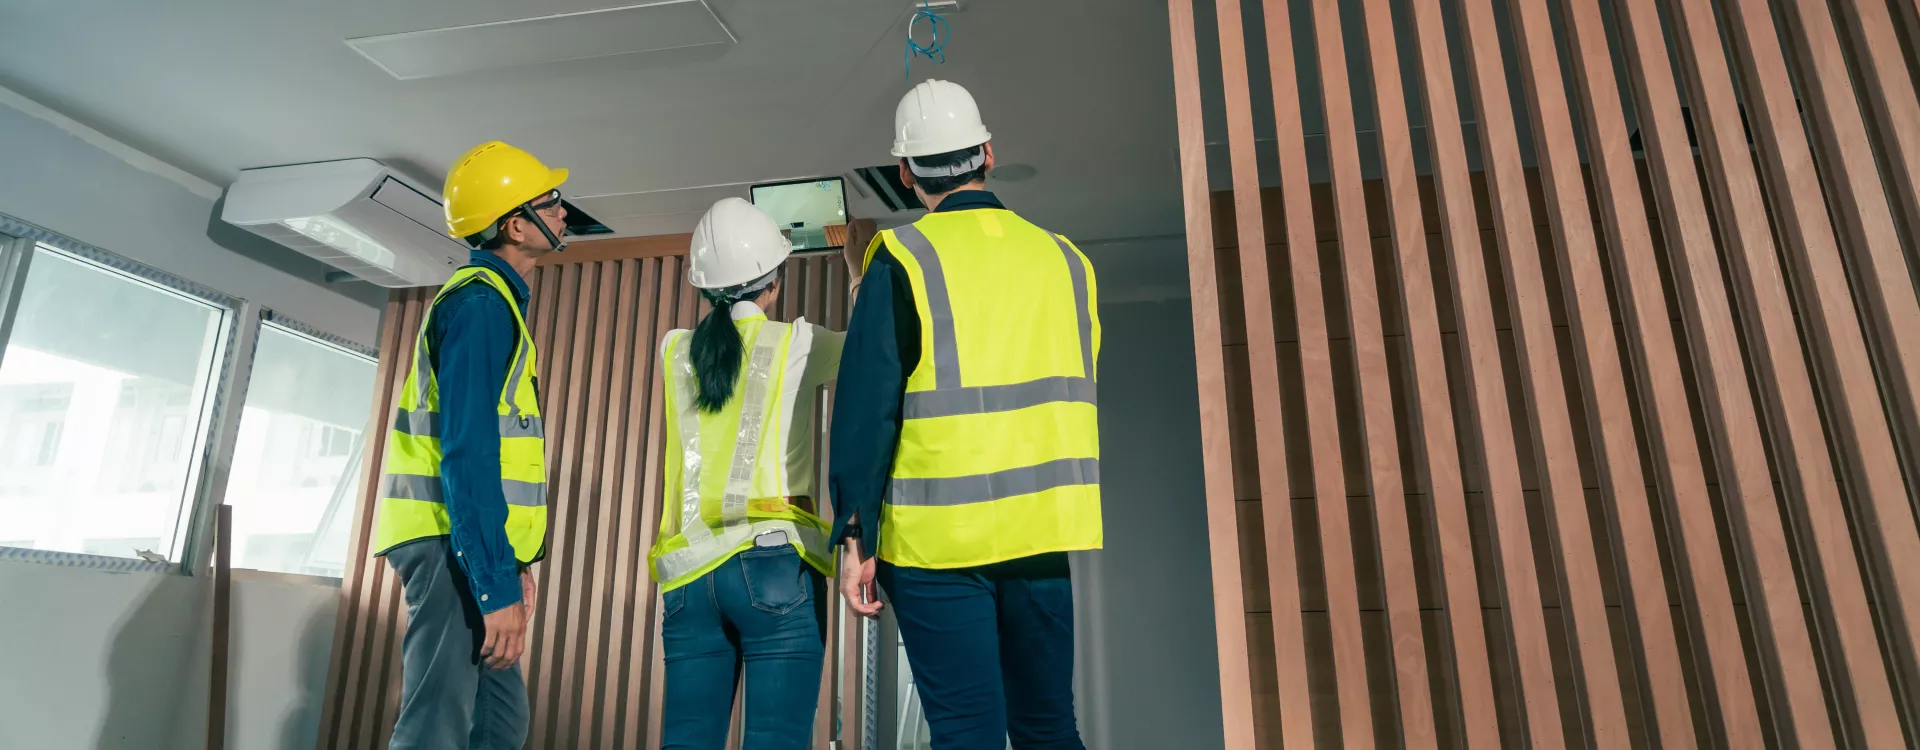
1473	309
383	620
649	450
355	612
1886	300
630	579
734	723
1431	416
1893	103
1609	417
1395	555
554	306
1795	421
1554	445
1780	628
684	313
543	310
572	340
1316	372
831	290
847	626
586	499
1229	613
1695	544
609	496
1754	510
347	625
1883	280
1296	714
388	708
386	625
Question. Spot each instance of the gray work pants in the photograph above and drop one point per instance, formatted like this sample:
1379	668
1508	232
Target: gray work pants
448	699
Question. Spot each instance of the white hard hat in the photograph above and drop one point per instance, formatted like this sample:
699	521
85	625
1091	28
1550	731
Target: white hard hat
735	243
937	117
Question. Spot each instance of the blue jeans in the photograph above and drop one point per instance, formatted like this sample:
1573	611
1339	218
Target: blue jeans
448	699
992	651
759	609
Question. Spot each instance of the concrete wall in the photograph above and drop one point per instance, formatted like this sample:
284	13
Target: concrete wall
1148	677
107	660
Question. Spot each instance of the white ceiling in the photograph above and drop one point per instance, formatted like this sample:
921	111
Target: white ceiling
1079	89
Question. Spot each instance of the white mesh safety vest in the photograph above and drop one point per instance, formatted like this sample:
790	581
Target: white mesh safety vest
731	474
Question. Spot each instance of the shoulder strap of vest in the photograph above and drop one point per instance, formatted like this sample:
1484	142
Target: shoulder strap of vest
463	276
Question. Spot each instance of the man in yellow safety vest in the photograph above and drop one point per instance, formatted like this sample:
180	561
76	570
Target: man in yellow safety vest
966	447
463	503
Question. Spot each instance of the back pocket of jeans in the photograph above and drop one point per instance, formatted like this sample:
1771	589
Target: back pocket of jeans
776	580
672	602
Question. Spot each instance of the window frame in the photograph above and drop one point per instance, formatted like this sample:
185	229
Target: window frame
217	422
268	317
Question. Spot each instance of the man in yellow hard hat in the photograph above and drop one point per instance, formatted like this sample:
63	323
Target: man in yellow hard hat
463	504
966	445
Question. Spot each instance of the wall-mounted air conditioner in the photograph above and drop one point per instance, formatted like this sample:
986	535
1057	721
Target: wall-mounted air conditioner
355	214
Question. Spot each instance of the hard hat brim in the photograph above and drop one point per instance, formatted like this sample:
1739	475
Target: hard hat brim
918	149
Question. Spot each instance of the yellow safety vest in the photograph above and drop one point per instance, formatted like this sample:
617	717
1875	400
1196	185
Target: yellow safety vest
723	487
999	454
412	505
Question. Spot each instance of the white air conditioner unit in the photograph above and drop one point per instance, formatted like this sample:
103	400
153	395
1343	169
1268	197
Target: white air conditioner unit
354	214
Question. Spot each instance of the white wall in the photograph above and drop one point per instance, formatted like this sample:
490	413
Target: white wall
52	176
1148	677
120	660
106	660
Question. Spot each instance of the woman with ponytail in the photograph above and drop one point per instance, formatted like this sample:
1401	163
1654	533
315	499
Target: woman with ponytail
742	551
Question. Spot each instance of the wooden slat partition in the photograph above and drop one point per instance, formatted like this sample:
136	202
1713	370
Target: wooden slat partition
593	665
1526	647
1382	456
1648	486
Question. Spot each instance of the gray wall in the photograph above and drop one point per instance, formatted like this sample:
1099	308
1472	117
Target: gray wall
1148	677
107	660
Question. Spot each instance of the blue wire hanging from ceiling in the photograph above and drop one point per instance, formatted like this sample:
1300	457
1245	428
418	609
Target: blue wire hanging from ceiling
935	49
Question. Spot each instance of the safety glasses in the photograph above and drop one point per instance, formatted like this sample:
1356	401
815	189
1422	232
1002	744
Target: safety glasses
547	203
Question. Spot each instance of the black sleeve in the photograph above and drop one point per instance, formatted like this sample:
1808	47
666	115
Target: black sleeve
883	344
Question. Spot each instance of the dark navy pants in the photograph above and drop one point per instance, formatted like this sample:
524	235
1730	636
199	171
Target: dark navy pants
992	651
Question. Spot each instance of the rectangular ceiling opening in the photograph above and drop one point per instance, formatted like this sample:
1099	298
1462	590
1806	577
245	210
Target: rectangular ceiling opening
626	30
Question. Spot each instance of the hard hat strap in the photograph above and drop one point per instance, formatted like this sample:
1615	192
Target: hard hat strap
534	216
739	292
922	170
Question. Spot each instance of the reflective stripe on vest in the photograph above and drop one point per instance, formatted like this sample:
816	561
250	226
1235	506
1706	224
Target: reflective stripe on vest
949	398
998	456
412	502
708	542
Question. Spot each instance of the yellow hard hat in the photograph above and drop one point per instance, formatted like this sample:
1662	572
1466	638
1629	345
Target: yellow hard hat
490	182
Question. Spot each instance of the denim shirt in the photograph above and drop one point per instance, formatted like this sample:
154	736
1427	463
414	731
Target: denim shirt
883	340
471	340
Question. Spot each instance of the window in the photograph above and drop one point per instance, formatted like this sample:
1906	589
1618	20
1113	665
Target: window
105	387
298	453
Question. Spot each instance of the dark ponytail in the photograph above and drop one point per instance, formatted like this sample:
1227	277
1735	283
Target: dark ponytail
717	347
716	354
